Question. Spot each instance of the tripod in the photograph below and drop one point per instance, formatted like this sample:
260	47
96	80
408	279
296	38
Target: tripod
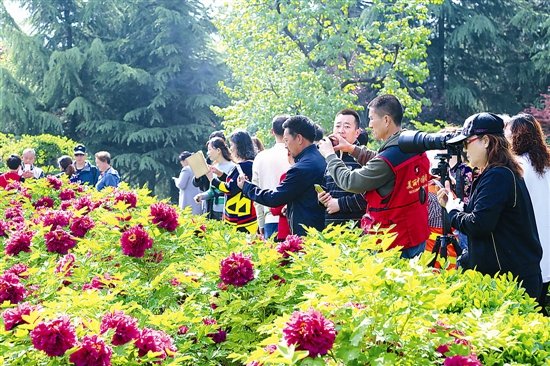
442	241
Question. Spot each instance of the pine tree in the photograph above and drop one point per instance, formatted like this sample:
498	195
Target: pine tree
133	77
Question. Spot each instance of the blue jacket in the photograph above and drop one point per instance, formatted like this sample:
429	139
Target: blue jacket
109	178
87	175
297	192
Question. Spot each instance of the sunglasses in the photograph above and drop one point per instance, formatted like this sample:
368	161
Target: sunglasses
79	154
467	142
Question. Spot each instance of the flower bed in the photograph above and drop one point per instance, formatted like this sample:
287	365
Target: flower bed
116	277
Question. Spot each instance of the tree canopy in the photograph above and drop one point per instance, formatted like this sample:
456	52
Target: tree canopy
314	58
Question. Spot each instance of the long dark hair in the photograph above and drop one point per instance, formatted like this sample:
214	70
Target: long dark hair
66	165
527	137
499	154
244	147
219	143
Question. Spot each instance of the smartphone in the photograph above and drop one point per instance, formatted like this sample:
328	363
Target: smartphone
318	188
240	170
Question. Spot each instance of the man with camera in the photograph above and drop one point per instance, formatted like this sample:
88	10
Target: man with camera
395	183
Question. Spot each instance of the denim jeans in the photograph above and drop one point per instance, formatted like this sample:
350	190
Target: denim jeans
270	229
413	251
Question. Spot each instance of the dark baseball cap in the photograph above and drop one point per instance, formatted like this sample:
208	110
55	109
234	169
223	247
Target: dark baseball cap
79	150
479	124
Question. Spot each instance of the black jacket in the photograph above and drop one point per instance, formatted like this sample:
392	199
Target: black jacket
500	225
297	192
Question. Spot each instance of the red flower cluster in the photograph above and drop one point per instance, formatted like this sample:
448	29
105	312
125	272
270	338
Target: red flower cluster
65	264
20	241
219	337
98	284
55	218
458	360
135	241
59	241
183	330
164	216
311	331
81	225
4	228
14	316
11	289
236	270
130	198
67	194
54	182
54	337
44	202
92	352
13	212
156	341
124	325
293	243
17	269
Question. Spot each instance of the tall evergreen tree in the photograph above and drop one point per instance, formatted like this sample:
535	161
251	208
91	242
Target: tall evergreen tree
481	58
133	77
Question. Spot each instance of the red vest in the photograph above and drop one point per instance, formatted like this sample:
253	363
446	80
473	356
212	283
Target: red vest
406	206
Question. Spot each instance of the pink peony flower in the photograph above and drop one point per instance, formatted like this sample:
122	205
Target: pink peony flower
11	289
183	330
311	331
124	325
13	212
156	341
135	241
67	194
14	316
54	337
254	363
59	241
55	218
219	337
470	360
4	228
130	198
174	282
164	216
65	264
209	321
293	243
17	269
43	202
54	182
81	225
236	270
92	352
270	348
20	241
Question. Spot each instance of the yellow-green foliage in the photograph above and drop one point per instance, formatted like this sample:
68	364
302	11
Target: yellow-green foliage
48	149
386	310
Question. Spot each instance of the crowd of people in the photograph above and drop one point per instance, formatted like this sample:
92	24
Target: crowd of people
501	220
79	170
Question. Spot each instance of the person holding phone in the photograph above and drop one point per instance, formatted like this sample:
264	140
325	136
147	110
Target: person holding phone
28	169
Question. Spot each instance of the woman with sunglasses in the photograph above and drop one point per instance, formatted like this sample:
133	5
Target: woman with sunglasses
499	219
525	135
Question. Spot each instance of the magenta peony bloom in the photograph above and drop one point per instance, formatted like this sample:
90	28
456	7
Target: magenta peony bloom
4	228
218	337
254	363
14	316
164	216
293	243
81	225
54	182
236	270
65	264
183	330
135	241
92	352
311	331
20	241
11	289
55	218
59	241
13	212
17	269
124	325
67	194
130	198
44	202
156	341
470	360
54	337
209	321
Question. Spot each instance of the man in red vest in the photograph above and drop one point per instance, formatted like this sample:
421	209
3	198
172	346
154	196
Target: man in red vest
395	183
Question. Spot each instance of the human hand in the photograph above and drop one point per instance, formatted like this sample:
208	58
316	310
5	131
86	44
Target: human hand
283	211
216	171
27	174
332	206
324	197
198	198
241	179
341	143
325	147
